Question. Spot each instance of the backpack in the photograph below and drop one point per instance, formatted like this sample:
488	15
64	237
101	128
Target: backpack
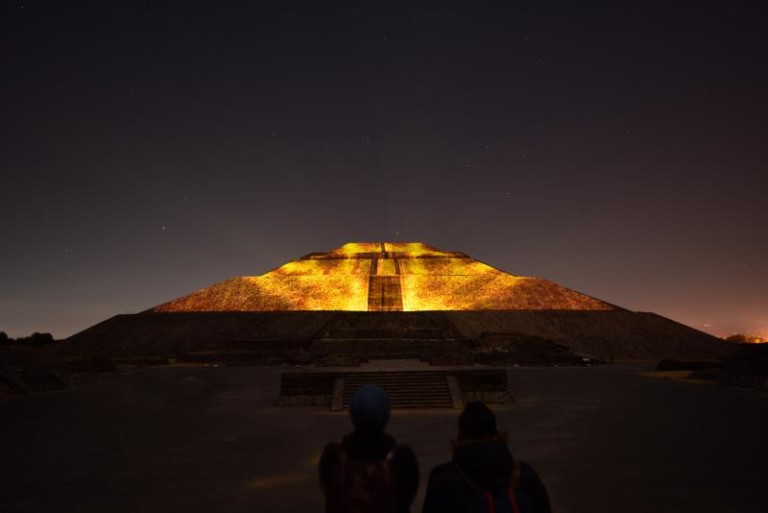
501	499
365	486
497	501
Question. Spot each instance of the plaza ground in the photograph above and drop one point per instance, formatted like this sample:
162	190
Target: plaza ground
209	440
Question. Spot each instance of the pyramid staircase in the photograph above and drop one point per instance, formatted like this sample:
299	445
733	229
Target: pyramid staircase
414	389
360	336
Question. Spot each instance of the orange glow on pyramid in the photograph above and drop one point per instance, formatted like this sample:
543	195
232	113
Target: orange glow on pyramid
384	276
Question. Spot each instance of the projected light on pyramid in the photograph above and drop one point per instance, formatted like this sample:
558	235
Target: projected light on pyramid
384	276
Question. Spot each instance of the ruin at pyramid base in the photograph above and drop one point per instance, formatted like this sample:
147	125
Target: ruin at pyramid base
367	301
351	338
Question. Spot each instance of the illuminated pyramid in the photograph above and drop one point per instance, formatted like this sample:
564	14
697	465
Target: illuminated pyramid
383	276
385	300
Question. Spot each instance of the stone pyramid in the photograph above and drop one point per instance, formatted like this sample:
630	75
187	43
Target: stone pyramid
386	300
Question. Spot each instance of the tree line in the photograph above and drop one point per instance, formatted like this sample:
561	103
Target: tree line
34	340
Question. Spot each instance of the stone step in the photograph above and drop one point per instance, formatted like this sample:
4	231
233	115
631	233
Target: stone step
403	391
372	379
336	388
415	389
401	374
423	403
395	385
396	380
399	386
409	397
389	334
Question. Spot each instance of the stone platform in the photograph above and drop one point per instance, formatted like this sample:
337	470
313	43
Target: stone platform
409	383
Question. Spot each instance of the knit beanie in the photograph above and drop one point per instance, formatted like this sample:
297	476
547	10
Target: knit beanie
369	409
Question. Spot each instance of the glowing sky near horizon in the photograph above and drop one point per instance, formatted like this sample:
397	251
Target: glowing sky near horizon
152	150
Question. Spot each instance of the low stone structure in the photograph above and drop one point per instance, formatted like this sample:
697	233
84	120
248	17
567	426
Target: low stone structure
414	388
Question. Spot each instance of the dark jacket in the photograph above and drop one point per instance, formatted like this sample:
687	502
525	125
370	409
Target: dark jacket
373	447
485	465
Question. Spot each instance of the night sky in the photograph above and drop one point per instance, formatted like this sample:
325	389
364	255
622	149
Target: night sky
153	149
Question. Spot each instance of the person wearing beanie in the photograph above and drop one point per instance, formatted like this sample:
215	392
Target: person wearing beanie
483	468
368	471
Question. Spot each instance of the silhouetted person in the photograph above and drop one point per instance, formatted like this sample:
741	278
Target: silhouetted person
368	472
482	471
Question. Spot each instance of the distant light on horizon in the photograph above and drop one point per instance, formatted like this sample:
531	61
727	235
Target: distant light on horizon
747	338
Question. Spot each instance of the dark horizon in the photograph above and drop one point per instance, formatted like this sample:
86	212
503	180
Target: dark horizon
155	149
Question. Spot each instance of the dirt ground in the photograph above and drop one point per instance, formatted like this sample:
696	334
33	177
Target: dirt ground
208	440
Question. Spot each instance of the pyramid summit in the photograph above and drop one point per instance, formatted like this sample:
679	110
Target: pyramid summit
383	276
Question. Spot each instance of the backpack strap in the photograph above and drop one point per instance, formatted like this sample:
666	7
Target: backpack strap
344	459
465	477
492	506
341	464
387	462
489	501
513	502
514	482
